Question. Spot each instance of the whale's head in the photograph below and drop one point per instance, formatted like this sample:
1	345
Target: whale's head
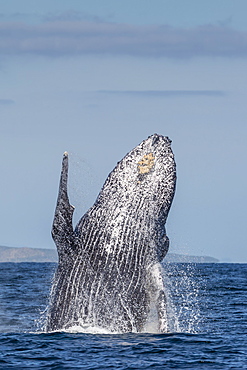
147	173
139	192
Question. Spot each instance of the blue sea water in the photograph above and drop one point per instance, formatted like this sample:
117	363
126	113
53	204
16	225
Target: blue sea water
207	322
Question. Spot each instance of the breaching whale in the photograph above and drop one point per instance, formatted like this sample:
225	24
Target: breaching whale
109	270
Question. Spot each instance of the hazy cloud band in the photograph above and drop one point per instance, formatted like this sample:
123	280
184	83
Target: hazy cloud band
58	38
165	93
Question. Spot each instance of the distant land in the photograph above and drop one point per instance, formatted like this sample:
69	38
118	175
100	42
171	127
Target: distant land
23	254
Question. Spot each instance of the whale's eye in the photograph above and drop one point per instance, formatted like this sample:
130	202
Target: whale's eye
146	163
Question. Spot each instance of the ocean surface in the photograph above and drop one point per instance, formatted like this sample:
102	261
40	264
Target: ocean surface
207	306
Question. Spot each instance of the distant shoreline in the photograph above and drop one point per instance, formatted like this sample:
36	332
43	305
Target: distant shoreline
25	254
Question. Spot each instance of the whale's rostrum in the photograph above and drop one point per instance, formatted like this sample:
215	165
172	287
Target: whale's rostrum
109	269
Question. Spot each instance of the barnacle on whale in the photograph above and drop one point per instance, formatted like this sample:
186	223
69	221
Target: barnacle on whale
146	163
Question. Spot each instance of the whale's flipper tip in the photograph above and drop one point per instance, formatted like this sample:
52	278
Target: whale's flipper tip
62	228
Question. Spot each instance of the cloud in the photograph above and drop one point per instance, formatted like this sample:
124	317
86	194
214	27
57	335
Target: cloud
71	15
66	37
165	93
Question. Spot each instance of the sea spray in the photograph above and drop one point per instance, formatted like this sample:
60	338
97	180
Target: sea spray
182	286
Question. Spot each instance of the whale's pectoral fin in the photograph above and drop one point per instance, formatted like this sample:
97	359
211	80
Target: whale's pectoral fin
162	247
62	228
161	306
157	288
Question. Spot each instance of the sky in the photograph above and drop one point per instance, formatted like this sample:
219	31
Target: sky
95	78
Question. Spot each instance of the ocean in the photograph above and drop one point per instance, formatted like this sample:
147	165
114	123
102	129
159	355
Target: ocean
207	307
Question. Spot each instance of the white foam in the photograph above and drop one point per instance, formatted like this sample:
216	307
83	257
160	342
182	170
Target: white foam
87	330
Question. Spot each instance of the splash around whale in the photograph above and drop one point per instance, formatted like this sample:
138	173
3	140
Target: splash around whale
109	272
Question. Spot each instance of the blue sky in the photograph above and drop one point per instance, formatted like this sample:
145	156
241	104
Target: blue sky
96	78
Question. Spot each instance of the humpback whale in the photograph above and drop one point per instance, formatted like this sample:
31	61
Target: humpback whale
109	270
